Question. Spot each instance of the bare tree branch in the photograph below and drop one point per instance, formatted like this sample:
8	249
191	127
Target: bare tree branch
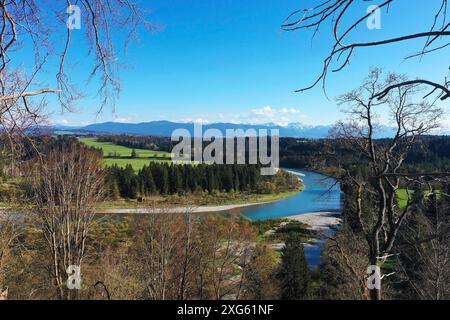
339	12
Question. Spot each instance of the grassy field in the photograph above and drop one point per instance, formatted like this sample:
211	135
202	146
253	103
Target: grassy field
137	163
121	156
110	148
402	196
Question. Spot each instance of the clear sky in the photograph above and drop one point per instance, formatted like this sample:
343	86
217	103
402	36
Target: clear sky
228	60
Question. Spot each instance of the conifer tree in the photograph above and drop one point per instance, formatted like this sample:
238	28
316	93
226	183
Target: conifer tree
293	274
147	178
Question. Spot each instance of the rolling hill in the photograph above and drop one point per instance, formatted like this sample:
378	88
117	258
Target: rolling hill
165	128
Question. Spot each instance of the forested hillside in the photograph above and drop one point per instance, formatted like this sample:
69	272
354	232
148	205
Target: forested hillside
164	179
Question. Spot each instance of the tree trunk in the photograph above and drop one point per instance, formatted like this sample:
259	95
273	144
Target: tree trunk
375	293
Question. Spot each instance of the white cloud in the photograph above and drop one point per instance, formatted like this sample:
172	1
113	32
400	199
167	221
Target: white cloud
268	114
264	111
61	121
261	115
195	120
124	119
445	124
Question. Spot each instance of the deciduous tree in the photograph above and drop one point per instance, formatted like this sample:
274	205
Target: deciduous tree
380	221
67	183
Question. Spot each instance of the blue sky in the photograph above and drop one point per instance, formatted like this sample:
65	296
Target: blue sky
228	60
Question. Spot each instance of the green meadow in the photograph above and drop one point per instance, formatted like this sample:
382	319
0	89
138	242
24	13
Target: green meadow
137	163
110	149
121	156
402	196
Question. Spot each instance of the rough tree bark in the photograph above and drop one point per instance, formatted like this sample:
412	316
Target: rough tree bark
384	159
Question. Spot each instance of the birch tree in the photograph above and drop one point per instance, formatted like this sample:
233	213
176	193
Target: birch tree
66	185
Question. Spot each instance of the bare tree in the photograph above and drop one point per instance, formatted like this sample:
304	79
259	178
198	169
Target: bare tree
344	13
43	29
344	266
383	160
224	248
186	269
66	185
37	42
259	278
9	232
435	276
159	247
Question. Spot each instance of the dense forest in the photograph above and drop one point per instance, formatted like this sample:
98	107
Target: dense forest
139	142
429	150
164	179
323	154
263	274
327	156
191	256
113	217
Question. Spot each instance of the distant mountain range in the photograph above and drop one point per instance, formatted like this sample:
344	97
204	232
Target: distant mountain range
165	129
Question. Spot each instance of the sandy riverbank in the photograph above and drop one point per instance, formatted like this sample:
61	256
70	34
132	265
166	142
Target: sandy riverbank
295	173
199	209
318	220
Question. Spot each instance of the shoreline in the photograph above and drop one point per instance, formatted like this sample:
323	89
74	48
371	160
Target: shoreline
193	209
295	173
318	221
203	209
198	209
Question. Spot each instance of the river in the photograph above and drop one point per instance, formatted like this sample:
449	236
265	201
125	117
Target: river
321	194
